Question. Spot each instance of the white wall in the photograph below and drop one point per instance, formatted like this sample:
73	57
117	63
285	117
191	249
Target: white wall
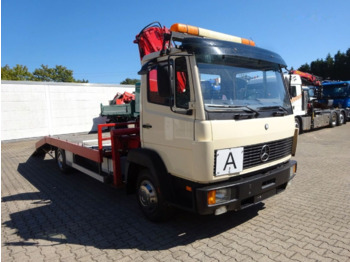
34	109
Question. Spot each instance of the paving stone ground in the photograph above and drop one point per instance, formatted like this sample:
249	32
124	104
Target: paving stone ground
47	216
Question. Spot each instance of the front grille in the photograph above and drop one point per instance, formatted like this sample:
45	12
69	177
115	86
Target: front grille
278	149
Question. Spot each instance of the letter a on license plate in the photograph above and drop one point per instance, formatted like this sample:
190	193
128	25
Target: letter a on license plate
228	161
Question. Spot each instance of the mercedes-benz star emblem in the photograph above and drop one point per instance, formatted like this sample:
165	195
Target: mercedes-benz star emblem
265	153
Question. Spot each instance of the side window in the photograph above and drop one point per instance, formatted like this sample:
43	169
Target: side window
158	93
182	91
153	90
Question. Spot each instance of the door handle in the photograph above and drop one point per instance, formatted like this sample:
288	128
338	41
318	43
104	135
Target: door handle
147	126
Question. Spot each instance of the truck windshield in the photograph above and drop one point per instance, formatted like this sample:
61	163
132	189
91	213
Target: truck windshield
336	91
234	83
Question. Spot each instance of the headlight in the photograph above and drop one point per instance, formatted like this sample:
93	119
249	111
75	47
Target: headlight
219	196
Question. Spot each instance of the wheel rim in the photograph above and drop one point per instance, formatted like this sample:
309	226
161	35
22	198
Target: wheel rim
341	119
147	195
334	119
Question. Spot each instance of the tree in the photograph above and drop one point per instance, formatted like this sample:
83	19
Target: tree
335	68
318	67
340	66
19	73
44	74
305	68
129	81
56	74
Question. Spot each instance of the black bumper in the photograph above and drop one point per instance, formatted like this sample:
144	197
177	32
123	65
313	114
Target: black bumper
247	191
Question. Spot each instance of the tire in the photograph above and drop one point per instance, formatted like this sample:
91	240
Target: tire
150	199
341	119
333	120
61	161
298	125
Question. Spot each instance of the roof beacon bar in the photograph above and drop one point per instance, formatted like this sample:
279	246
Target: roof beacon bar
197	31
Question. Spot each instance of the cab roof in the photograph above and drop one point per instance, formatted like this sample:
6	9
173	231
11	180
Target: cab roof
198	45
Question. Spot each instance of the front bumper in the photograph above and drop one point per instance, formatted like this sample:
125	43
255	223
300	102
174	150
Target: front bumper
247	191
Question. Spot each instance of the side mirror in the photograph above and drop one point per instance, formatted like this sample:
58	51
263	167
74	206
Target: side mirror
163	79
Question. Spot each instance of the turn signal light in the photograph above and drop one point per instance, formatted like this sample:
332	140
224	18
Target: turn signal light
212	197
218	196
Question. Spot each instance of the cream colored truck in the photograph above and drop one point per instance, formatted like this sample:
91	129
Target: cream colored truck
216	129
217	118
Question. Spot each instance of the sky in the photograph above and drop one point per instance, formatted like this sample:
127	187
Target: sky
95	38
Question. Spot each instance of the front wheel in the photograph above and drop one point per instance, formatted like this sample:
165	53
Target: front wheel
298	125
150	199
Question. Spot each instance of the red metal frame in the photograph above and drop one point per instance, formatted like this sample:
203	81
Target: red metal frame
101	126
88	153
122	140
99	134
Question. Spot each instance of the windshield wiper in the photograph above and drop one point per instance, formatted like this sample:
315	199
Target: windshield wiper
282	111
251	110
245	108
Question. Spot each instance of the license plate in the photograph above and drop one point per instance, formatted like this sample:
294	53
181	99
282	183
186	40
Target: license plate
229	161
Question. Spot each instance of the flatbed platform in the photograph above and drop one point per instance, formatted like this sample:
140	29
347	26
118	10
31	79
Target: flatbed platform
85	139
95	154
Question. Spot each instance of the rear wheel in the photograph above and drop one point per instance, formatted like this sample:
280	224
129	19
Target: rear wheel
341	119
150	199
333	120
61	160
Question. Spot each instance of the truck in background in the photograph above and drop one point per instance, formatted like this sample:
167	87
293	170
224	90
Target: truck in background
310	110
215	132
338	92
123	108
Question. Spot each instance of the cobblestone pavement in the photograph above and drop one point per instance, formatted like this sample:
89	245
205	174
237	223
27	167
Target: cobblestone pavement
47	216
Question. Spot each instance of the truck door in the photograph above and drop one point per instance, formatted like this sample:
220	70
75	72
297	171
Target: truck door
166	121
